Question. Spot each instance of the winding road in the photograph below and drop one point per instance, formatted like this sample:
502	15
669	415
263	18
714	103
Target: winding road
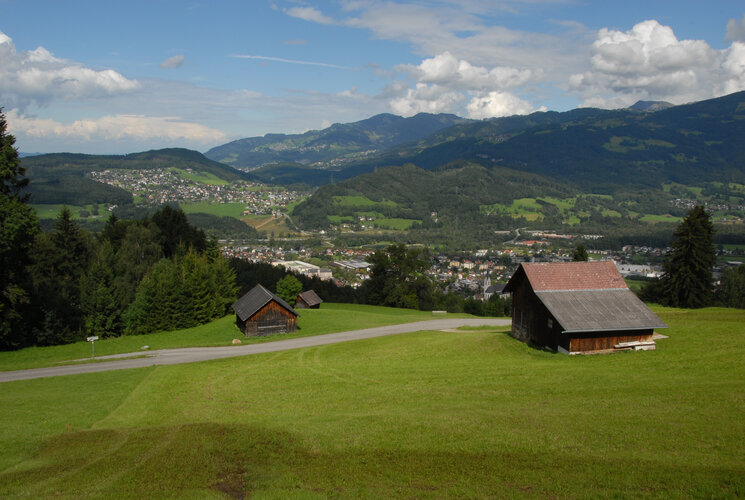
196	354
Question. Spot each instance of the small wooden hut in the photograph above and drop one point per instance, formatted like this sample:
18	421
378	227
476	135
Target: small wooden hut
308	300
579	307
260	312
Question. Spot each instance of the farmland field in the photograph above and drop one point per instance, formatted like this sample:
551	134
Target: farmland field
470	413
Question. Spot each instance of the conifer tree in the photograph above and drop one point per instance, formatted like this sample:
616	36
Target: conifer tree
18	228
60	261
687	278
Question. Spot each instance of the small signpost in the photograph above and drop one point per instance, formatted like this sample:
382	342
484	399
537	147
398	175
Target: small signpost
93	349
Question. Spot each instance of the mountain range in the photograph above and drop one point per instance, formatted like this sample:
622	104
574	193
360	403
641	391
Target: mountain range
408	169
646	145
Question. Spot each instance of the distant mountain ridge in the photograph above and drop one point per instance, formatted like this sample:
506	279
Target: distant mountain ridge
332	146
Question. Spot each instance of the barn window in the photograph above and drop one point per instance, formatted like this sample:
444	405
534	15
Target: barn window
550	323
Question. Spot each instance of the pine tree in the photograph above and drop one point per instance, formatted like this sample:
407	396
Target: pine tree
18	228
687	278
60	261
103	317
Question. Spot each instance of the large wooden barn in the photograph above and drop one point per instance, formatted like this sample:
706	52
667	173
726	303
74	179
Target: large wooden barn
260	312
579	307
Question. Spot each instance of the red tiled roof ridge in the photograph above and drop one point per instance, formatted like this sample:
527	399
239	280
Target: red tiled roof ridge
592	275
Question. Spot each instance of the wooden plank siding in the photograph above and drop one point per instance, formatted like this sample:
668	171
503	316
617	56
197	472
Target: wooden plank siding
591	342
270	319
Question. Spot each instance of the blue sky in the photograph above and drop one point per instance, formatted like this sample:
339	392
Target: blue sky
120	77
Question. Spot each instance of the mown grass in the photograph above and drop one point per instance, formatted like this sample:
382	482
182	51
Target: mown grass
201	177
424	415
52	211
330	318
220	209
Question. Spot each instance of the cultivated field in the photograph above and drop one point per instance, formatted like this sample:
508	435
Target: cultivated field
471	413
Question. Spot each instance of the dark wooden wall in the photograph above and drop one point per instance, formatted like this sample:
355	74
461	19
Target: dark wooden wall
531	321
270	319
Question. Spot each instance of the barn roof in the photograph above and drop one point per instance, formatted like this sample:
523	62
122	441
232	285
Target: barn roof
593	275
254	300
586	296
311	298
598	310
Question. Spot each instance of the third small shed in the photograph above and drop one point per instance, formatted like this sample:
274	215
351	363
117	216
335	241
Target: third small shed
308	300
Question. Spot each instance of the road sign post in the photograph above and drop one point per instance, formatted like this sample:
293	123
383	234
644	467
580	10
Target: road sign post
93	349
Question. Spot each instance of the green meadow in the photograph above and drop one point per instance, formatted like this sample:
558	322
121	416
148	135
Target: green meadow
331	318
219	209
469	413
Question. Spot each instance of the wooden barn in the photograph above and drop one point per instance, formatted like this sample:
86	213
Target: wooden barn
260	312
579	307
308	300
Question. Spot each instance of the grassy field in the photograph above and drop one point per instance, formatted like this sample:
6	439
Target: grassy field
52	211
331	318
201	177
219	209
424	415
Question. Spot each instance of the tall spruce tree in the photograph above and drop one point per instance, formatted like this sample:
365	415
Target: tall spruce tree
18	228
687	278
61	259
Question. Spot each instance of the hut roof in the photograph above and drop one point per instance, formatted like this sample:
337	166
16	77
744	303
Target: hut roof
593	275
311	298
599	310
254	300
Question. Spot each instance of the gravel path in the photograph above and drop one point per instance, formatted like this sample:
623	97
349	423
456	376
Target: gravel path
195	354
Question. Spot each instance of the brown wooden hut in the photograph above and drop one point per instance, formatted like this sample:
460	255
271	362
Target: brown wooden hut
579	307
308	300
260	312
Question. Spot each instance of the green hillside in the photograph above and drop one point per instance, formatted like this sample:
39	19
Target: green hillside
466	414
333	146
61	177
599	150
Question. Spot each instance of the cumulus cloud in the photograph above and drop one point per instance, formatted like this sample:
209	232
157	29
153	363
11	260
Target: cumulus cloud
173	62
308	14
114	127
495	104
736	30
36	76
426	99
649	62
444	82
446	69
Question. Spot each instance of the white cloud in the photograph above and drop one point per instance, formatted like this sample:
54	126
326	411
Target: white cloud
495	104
649	62
114	127
736	30
426	99
173	62
446	69
308	14
37	76
444	82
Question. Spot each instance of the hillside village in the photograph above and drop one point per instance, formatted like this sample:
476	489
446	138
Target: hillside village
165	185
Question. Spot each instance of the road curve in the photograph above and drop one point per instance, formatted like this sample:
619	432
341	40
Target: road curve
195	354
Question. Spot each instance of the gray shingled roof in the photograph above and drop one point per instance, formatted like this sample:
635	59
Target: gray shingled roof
597	310
311	298
255	299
